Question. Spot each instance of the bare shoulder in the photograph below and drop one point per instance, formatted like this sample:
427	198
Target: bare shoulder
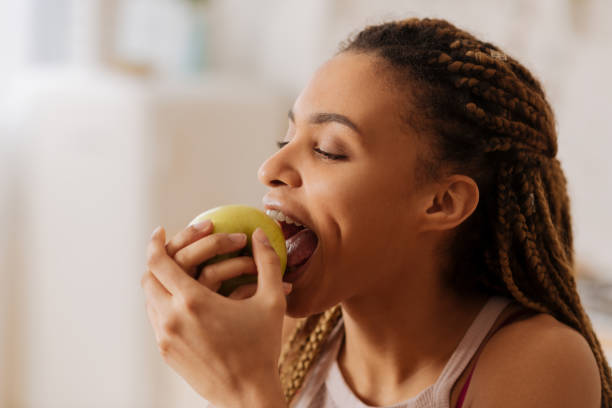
536	362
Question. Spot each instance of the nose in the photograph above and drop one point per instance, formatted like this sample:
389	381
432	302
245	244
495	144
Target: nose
280	169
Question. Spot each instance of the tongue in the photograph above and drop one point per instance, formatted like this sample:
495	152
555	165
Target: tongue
300	246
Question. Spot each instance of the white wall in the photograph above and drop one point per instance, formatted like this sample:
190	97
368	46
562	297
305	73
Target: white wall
9	262
81	207
103	162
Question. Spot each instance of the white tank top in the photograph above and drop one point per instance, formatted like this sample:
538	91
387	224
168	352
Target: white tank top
324	387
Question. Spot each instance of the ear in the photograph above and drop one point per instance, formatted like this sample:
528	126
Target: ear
450	203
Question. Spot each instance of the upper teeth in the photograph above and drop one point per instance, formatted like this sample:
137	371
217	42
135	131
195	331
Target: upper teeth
277	215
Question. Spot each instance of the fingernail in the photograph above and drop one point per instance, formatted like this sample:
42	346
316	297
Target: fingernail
202	225
287	287
156	231
237	237
261	237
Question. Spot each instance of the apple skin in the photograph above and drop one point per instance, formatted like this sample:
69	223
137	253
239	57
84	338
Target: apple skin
242	218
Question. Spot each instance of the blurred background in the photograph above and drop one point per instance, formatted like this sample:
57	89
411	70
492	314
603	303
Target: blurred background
120	115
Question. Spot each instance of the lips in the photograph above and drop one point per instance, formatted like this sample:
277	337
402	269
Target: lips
300	242
300	239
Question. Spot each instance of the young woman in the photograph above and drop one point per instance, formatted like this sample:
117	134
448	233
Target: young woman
434	267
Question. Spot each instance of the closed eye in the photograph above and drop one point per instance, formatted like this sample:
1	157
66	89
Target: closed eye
327	155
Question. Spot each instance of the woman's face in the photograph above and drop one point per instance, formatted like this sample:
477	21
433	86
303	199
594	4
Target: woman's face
350	178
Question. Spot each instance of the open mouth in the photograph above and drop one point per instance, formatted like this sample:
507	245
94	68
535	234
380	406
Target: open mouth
301	243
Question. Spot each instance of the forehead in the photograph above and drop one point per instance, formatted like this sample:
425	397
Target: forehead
357	86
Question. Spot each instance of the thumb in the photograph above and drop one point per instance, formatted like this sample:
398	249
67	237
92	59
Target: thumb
269	276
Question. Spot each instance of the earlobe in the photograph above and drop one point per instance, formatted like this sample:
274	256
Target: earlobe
451	204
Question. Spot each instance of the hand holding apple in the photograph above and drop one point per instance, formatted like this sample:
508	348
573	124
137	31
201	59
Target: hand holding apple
241	219
227	350
197	244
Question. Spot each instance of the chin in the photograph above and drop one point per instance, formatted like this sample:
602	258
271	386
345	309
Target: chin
301	303
299	306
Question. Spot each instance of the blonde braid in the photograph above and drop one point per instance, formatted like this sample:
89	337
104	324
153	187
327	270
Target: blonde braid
295	361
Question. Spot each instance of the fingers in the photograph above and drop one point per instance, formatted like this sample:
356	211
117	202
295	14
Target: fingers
156	295
212	275
167	272
269	278
153	289
206	248
248	290
243	292
188	236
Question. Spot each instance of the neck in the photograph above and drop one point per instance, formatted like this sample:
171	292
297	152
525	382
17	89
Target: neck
397	343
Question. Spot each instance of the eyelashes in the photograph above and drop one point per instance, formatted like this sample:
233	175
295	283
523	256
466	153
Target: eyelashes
328	155
323	153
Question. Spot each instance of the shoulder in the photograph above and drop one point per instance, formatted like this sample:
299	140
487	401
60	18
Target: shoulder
536	362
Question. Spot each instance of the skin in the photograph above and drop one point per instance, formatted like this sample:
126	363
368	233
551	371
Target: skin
199	333
378	257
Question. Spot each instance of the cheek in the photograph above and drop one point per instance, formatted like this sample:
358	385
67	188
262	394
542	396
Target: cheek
377	225
373	210
364	214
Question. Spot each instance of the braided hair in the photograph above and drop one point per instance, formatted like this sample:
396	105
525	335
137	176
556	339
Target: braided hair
485	115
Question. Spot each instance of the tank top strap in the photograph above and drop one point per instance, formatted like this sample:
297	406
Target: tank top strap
467	348
438	394
509	319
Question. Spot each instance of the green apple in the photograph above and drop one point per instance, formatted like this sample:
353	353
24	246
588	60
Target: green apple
242	218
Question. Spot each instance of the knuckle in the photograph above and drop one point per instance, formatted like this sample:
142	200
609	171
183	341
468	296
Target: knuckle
272	261
170	325
164	345
271	256
210	270
191	304
222	243
180	257
172	248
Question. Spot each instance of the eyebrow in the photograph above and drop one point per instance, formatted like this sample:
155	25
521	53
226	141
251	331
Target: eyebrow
327	117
